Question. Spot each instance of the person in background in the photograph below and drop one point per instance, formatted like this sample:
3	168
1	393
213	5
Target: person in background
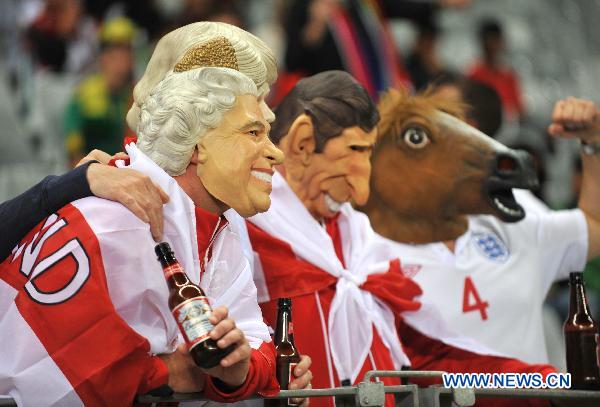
94	119
62	37
423	63
225	11
346	35
483	109
483	104
492	69
353	36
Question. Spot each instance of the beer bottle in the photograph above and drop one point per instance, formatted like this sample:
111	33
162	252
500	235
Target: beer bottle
191	310
580	338
287	354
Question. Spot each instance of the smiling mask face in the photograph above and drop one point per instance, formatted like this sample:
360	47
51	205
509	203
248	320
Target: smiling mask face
236	159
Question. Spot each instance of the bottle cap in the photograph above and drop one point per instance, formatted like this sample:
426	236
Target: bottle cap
163	251
576	277
284	302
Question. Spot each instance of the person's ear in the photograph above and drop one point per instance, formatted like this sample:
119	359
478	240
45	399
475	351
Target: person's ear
302	139
194	158
200	152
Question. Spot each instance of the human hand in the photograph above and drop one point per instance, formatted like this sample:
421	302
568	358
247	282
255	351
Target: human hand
184	375
233	368
302	381
576	118
132	189
101	157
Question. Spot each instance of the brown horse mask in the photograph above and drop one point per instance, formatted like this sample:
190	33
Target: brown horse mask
431	169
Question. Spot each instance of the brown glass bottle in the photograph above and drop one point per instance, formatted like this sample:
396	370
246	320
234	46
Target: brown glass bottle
580	339
287	354
191	310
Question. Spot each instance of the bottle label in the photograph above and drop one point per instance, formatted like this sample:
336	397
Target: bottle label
192	317
172	269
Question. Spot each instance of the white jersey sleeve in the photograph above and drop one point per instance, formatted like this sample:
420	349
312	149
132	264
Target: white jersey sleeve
562	238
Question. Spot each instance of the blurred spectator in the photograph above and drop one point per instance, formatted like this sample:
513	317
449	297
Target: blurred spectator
484	112
423	63
492	70
484	107
95	117
62	38
225	11
145	14
350	35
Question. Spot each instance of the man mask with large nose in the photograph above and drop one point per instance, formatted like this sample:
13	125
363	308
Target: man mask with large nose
326	128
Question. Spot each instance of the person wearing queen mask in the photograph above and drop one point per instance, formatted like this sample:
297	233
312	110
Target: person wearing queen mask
85	304
345	280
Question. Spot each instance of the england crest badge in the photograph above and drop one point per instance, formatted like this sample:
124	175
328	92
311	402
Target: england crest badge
490	246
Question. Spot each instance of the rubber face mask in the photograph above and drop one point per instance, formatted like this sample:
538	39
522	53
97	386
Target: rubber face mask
236	159
340	173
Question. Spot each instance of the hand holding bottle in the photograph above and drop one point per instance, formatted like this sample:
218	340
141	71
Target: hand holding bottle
302	379
232	369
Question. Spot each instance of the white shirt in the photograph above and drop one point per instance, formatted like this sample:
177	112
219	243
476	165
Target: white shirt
493	286
531	203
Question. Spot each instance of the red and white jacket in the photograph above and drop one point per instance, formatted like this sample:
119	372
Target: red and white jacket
84	303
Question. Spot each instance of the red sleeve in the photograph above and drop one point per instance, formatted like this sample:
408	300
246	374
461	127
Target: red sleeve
157	374
426	353
261	378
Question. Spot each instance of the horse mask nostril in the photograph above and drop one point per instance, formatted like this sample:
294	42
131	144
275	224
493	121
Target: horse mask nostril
516	166
506	164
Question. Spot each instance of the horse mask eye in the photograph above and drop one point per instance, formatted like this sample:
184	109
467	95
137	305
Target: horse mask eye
416	137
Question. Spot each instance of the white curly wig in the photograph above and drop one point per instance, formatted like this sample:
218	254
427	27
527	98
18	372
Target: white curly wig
254	58
182	107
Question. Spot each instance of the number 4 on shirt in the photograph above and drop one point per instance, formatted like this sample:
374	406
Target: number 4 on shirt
472	300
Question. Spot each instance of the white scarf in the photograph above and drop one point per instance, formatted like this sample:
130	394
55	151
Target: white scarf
353	310
228	276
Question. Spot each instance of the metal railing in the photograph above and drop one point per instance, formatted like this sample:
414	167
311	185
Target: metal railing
371	393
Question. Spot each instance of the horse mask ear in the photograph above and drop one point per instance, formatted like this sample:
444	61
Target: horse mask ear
302	139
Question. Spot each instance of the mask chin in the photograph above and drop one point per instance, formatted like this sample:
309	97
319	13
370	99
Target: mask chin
222	198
